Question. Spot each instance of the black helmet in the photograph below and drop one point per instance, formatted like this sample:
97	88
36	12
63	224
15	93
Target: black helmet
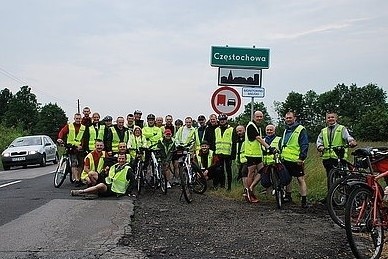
150	117
178	122
222	116
137	112
108	118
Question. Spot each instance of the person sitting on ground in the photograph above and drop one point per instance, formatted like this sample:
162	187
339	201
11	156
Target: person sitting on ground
120	177
206	162
94	164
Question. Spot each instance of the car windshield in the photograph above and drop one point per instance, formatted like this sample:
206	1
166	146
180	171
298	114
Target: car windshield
20	142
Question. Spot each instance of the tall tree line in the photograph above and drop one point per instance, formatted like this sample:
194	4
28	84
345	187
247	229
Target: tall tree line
22	111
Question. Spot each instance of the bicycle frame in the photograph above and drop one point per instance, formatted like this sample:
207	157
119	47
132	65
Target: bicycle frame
372	180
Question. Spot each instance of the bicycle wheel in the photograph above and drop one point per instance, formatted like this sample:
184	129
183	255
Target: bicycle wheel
334	175
276	187
199	183
139	177
60	172
162	179
365	237
186	191
336	201
149	178
69	172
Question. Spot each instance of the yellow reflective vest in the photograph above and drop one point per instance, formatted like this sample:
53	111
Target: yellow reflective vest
92	166
252	148
268	158
209	159
224	141
75	139
336	142
117	178
116	139
95	134
291	149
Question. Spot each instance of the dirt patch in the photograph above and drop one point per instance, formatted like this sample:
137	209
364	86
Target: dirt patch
212	227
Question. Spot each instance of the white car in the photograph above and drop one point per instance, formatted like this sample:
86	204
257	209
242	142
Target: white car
30	150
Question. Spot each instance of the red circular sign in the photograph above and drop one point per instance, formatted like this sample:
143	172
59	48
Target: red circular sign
226	100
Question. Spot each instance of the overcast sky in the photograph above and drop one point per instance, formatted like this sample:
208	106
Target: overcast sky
118	56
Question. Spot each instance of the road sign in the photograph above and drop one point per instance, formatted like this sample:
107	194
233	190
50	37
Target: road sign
258	92
239	77
239	57
226	100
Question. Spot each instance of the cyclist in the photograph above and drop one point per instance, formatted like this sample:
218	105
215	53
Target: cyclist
119	178
94	164
86	120
294	147
206	161
136	141
186	134
137	116
167	148
151	132
178	123
123	150
225	150
117	133
94	131
334	135
159	122
209	135
241	160
130	122
200	130
169	124
73	134
253	153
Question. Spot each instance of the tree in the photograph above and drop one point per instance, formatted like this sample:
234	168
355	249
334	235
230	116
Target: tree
5	98
51	119
373	125
22	110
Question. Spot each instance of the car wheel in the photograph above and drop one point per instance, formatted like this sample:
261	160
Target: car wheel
56	159
43	160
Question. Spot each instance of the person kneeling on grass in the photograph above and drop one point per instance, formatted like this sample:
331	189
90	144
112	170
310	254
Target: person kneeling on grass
120	177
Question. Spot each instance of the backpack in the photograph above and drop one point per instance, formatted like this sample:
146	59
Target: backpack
284	176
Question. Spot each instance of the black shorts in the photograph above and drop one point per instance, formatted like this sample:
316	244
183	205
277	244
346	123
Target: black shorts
108	192
294	169
253	160
243	170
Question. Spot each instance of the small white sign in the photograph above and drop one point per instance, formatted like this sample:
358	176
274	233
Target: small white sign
257	92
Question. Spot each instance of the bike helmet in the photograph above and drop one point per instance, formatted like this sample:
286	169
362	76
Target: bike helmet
137	112
108	118
150	116
222	116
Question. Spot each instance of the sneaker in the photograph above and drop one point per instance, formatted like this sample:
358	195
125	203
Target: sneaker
77	193
168	185
305	205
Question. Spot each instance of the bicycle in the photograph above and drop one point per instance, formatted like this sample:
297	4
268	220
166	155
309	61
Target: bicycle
342	167
278	183
152	173
349	177
64	166
366	216
190	181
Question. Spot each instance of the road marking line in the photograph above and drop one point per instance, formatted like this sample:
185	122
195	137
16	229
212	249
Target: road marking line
6	184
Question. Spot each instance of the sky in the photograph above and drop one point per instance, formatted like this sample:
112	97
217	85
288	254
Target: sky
117	56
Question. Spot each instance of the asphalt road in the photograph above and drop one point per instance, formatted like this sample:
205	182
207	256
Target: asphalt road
40	221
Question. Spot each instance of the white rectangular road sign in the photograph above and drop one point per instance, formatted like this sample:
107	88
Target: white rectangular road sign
258	92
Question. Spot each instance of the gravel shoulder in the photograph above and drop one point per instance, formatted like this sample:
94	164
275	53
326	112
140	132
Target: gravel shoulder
213	227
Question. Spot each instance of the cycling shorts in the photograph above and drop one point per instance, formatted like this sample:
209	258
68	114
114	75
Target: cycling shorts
294	169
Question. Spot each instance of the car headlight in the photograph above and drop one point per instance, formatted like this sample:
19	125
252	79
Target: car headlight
32	152
6	154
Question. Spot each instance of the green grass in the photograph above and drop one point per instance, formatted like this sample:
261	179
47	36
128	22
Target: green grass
315	178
